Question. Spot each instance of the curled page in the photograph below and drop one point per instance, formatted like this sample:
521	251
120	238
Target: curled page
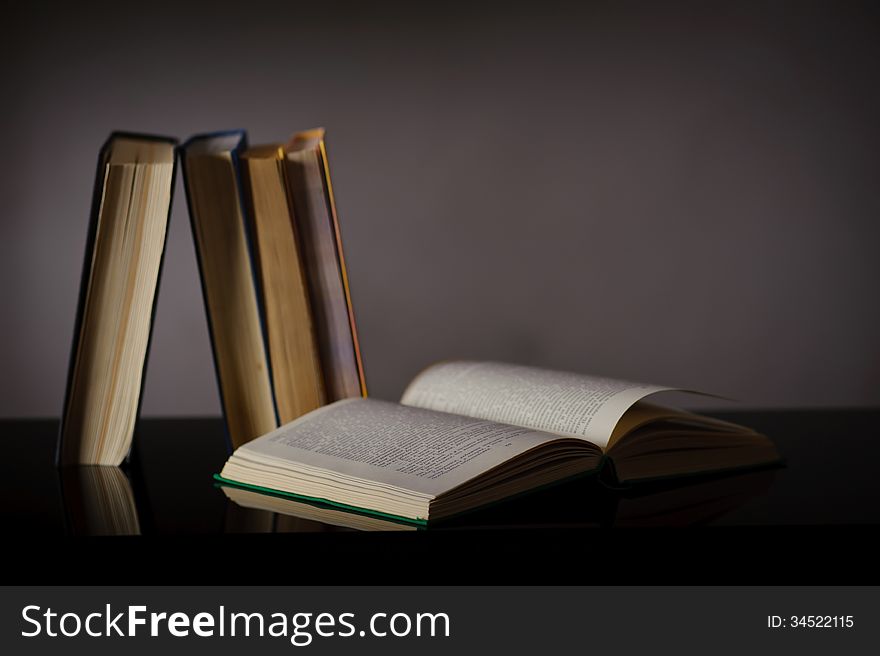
562	403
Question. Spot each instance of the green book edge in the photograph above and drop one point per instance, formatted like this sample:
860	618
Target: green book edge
317	500
605	469
421	523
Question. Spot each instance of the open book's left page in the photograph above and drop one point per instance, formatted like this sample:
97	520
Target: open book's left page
405	448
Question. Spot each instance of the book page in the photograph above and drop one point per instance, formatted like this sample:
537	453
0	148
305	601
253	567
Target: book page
575	405
410	448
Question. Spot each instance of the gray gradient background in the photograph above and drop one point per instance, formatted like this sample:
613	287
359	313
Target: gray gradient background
685	193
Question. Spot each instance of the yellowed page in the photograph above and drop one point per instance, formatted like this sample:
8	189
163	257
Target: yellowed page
407	448
570	404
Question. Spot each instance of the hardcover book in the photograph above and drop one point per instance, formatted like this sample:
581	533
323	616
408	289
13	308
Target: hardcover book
212	179
118	291
467	434
292	345
317	223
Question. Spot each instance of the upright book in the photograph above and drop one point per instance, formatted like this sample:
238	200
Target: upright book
273	275
212	179
471	433
317	224
290	333
123	262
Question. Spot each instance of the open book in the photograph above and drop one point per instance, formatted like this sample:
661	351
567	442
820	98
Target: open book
471	433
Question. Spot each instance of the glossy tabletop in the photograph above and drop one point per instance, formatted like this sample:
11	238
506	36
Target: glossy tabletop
164	515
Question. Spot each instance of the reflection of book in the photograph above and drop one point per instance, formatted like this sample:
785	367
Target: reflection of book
98	501
695	502
124	248
469	433
584	502
294	516
245	519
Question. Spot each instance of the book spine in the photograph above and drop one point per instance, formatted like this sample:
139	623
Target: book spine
97	195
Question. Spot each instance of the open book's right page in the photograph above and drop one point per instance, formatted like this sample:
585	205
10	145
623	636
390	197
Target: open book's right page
574	405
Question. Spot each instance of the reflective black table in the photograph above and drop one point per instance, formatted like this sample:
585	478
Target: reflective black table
162	517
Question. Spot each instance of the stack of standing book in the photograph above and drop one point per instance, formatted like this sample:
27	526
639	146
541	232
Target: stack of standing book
273	276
